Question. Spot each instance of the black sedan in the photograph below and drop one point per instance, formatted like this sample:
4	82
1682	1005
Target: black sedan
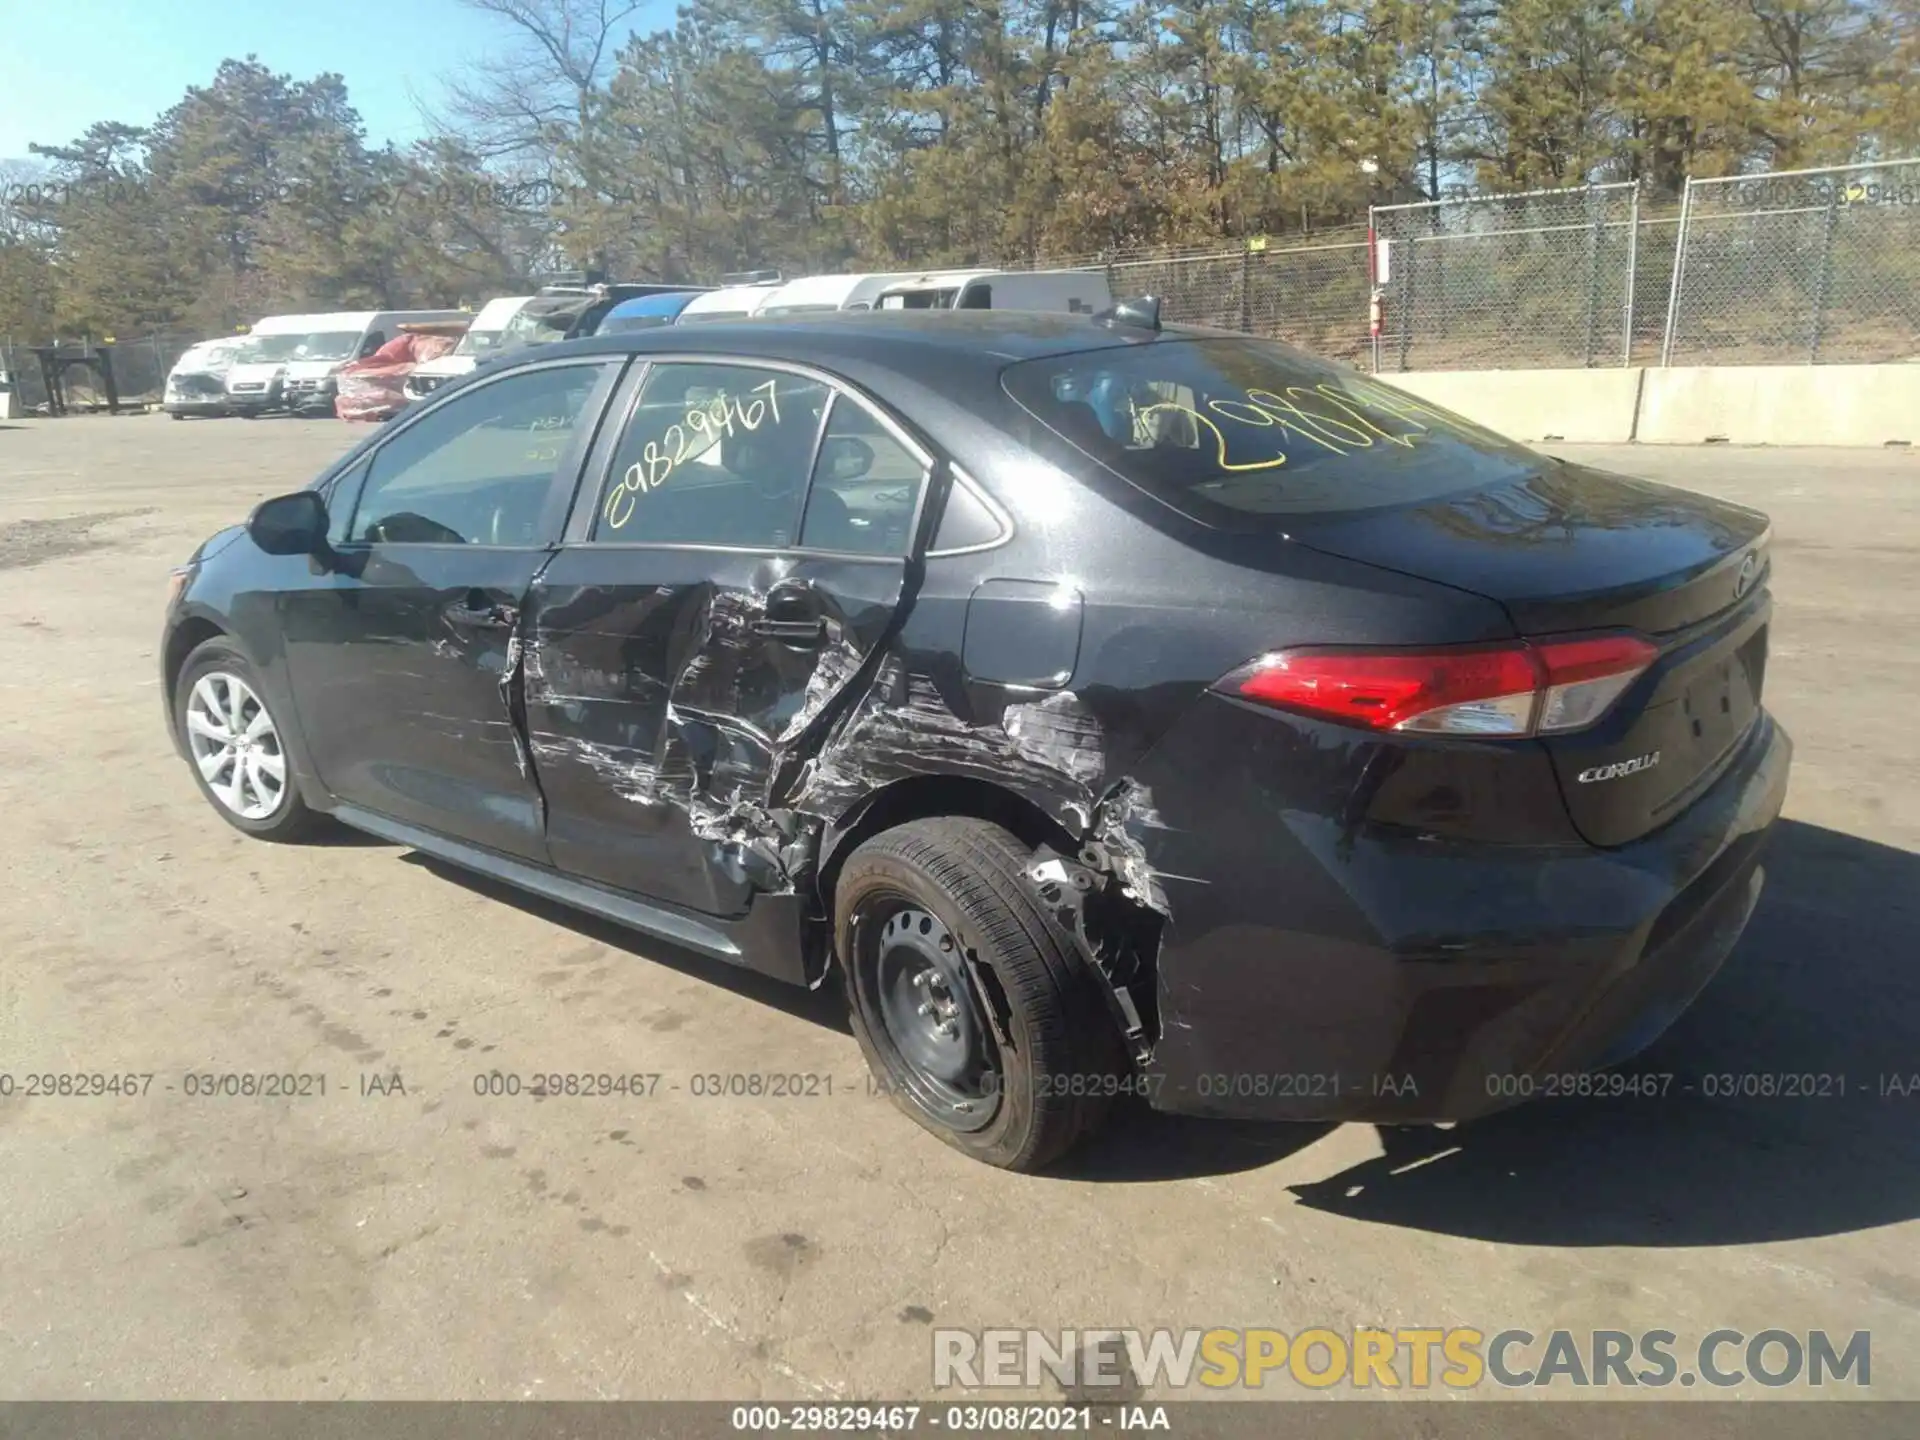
1121	710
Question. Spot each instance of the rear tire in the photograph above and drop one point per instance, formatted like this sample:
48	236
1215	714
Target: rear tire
973	1008
235	745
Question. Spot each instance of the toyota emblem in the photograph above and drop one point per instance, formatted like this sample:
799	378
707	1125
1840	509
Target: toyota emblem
1749	568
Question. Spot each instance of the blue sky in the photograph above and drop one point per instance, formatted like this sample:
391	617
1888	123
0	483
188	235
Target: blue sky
67	63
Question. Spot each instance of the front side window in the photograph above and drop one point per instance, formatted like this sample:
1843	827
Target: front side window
713	455
478	469
866	486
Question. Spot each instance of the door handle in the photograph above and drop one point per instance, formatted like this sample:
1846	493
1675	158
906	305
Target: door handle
483	616
792	632
792	615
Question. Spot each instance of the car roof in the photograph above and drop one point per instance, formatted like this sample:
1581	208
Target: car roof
918	344
499	310
732	297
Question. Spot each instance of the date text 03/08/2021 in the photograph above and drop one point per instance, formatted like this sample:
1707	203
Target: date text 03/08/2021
810	1085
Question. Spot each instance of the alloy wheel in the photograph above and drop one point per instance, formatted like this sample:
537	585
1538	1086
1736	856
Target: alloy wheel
235	745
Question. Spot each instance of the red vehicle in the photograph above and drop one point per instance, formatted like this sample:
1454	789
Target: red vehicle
375	388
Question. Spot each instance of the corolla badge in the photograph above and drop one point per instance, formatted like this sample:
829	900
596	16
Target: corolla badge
1619	768
1749	568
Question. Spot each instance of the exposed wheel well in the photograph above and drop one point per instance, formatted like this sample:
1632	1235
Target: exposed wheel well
922	797
926	796
182	643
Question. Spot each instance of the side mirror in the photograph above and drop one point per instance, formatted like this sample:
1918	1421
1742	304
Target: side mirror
293	524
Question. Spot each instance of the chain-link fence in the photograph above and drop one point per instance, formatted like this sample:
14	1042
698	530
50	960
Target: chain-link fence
1815	266
1543	278
140	369
1309	290
1798	267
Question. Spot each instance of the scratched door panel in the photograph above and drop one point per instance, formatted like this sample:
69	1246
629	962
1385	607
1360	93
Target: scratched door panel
404	654
404	703
659	715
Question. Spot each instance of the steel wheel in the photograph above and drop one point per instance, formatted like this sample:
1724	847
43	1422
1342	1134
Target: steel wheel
932	1033
235	745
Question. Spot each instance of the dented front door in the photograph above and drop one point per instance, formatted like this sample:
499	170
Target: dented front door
684	648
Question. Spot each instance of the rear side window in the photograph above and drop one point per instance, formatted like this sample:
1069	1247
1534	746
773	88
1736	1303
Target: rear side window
1242	433
866	485
714	455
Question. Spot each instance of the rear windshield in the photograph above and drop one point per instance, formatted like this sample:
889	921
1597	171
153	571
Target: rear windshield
1233	432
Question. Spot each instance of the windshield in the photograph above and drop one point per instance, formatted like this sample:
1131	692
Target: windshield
538	324
1235	432
327	345
480	342
618	324
257	348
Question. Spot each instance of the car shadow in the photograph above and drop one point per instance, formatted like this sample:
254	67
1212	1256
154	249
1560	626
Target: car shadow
825	1006
1139	1145
1823	984
1821	996
337	836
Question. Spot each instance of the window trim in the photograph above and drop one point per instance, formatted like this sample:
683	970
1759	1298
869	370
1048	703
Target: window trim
564	481
579	527
961	480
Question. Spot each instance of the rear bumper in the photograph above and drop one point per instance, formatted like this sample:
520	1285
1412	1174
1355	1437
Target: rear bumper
1344	971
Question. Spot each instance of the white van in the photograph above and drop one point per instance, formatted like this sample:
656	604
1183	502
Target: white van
811	293
483	337
288	361
1078	292
730	302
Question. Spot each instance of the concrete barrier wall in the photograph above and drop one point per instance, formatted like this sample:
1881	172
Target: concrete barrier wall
1686	405
1589	405
1782	405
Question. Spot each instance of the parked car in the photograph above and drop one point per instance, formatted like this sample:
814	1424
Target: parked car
729	302
562	313
290	361
649	312
487	333
813	293
196	385
1281	745
374	388
1078	292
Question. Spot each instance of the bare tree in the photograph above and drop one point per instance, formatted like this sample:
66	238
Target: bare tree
535	99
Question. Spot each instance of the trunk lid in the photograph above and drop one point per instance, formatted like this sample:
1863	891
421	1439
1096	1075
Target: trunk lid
1565	549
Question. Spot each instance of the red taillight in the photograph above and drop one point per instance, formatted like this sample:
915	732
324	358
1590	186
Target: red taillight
1512	689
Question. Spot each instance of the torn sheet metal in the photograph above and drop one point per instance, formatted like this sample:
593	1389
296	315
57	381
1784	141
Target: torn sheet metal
1048	751
1124	813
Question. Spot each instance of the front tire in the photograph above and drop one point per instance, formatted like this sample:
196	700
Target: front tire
974	1010
235	746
